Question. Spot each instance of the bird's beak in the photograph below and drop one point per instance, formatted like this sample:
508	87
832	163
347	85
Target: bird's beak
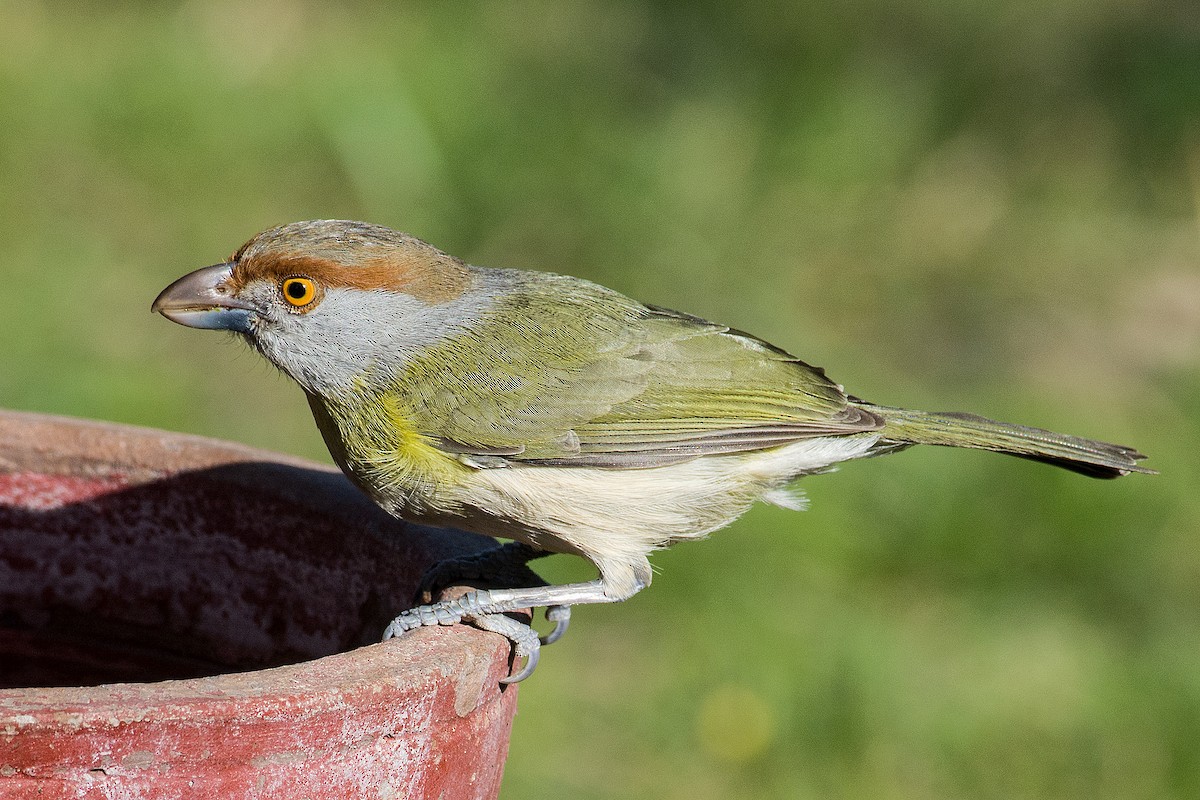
204	299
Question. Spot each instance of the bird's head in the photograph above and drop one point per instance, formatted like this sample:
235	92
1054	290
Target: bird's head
327	301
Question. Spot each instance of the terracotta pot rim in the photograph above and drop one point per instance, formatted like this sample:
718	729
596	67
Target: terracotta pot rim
134	451
462	654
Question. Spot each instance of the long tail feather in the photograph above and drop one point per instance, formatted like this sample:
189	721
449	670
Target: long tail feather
956	429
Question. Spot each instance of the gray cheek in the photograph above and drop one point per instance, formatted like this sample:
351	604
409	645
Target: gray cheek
355	333
328	349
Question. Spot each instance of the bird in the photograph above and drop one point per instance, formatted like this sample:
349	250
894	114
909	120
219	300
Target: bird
550	411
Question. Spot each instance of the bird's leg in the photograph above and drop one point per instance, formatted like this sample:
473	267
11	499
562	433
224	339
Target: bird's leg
507	565
484	608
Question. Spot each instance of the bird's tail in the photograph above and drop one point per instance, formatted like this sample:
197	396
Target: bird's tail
956	429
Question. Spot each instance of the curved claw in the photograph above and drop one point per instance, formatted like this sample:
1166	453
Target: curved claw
561	617
525	641
531	662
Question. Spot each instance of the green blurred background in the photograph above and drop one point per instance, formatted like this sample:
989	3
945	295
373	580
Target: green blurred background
989	206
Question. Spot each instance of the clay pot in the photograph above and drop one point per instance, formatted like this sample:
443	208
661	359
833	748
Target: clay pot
206	612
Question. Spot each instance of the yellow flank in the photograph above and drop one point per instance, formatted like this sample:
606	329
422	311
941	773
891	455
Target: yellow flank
386	454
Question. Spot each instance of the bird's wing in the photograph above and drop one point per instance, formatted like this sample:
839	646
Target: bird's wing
570	373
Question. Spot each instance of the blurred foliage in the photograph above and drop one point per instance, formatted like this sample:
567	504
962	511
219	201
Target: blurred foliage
979	205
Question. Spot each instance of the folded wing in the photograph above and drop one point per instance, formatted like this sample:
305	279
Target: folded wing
568	373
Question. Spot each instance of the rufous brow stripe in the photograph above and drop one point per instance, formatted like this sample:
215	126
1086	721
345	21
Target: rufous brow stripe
428	275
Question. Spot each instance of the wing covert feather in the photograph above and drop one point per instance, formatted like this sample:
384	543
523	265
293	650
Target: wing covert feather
566	372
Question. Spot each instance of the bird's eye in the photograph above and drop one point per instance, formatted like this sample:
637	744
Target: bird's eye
298	292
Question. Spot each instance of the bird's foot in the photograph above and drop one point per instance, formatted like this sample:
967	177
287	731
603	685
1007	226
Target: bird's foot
504	565
470	608
486	609
526	643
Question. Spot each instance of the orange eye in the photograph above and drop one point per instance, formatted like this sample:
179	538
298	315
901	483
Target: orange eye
298	292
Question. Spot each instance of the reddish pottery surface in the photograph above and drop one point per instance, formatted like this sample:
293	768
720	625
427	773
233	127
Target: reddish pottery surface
198	604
